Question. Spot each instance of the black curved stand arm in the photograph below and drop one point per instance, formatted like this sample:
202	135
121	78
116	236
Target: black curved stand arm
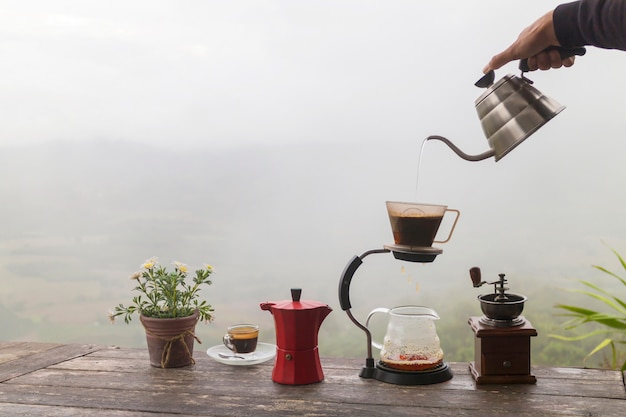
348	273
344	301
346	279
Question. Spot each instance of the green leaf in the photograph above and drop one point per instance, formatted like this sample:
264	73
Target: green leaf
621	260
609	302
600	346
580	337
593	287
577	310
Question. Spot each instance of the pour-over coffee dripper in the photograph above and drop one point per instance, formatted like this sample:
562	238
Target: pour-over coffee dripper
414	227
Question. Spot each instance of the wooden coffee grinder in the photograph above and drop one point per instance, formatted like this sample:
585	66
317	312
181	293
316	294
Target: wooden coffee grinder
502	336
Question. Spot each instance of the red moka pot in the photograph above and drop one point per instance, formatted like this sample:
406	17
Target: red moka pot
297	325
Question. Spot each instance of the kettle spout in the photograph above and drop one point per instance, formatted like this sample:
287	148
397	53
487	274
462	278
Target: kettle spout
480	157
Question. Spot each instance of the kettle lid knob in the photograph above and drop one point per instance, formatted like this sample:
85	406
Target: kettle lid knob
295	294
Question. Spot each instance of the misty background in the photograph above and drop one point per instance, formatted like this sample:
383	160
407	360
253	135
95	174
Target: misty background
264	137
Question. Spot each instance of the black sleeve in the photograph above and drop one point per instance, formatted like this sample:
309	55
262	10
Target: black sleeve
600	23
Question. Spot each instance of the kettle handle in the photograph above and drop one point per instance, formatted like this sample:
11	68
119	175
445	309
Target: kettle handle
378	310
564	52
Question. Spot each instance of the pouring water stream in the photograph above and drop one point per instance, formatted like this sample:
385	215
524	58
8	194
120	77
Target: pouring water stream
419	166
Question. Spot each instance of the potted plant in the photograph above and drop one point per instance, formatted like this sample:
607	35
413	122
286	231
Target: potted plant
169	308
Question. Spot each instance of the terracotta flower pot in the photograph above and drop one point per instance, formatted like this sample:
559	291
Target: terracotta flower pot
170	341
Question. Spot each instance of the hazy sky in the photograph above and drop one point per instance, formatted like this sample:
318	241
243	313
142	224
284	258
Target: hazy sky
233	74
228	73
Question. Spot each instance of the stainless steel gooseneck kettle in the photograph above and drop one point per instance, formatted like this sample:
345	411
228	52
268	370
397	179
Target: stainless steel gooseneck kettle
510	111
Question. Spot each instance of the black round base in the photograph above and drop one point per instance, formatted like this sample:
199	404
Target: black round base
414	253
440	373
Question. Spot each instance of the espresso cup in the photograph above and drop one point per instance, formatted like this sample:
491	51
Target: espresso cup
242	338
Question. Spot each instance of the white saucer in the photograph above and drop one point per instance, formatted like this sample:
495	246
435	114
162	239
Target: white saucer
264	352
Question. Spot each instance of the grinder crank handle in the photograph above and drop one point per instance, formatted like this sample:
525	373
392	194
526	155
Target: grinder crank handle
564	52
476	276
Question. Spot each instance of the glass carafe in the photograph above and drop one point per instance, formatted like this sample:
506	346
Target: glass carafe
411	342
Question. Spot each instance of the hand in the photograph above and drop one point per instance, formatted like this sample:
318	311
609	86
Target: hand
550	59
531	44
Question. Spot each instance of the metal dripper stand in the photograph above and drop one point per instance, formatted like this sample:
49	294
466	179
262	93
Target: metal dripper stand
502	336
377	370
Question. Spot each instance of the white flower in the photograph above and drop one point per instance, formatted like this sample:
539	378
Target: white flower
181	267
150	263
111	316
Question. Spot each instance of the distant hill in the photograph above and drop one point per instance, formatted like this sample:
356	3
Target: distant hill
78	218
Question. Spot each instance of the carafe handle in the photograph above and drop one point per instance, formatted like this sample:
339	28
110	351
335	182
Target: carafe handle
456	219
367	323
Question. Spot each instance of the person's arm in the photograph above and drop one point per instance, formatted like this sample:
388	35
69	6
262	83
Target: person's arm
600	23
529	44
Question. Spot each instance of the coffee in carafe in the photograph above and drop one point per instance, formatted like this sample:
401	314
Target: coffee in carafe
411	342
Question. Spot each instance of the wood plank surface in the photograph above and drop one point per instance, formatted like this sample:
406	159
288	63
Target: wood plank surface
27	357
120	382
10	351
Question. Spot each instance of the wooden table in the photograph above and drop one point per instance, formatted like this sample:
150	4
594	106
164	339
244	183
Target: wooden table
41	379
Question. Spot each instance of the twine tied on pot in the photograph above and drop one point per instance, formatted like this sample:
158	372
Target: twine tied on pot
169	342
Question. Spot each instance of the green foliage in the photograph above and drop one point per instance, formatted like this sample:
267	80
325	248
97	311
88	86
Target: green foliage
165	294
612	323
